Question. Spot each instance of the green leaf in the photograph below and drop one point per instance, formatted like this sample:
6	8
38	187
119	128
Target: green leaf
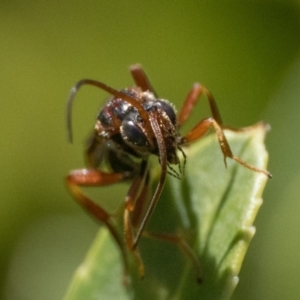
212	208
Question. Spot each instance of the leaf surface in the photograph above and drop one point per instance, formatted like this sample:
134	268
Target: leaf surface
212	208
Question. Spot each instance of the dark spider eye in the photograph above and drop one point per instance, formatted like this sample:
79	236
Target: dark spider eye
169	110
133	134
105	118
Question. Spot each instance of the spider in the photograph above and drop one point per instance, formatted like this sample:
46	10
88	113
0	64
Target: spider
133	125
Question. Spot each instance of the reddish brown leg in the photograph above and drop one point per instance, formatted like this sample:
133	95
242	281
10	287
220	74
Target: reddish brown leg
203	126
135	201
91	177
132	218
183	246
191	100
129	238
163	163
141	79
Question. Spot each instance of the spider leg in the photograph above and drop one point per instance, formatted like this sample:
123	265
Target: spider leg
140	78
134	204
182	245
132	221
191	100
160	185
203	126
92	177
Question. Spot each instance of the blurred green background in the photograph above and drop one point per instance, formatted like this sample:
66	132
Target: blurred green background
246	52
